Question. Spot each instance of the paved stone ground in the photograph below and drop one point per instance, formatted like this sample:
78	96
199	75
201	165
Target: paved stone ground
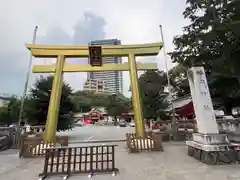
172	164
13	168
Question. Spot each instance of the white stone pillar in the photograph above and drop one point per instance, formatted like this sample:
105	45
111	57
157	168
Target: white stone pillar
151	124
203	107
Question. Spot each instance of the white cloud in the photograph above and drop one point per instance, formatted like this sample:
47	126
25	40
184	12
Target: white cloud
77	22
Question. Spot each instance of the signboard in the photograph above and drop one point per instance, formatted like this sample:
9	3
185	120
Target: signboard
95	55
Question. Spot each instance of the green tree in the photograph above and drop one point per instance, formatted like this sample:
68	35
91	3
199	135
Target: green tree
9	112
84	101
179	81
114	104
99	100
117	105
4	116
39	100
212	40
225	89
81	104
152	84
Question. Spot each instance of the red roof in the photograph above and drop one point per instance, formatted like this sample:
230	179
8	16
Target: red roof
185	110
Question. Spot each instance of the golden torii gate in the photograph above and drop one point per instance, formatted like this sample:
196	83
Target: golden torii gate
62	52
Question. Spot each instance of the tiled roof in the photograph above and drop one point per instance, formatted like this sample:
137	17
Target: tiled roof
5	98
183	101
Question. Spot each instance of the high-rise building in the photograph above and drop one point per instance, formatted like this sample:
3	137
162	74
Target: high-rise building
96	86
113	79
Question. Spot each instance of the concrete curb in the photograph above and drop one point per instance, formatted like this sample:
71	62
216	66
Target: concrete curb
98	141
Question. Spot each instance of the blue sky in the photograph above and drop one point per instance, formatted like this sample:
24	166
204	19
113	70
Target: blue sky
75	22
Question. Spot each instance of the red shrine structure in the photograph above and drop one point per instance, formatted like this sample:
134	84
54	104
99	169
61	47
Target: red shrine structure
98	114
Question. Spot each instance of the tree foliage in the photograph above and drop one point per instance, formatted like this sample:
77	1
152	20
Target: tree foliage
179	81
152	84
38	102
226	89
117	105
9	112
84	101
212	40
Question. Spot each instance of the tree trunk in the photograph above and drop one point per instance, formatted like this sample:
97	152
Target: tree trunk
115	120
228	108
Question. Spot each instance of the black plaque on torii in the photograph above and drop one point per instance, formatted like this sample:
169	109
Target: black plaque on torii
95	55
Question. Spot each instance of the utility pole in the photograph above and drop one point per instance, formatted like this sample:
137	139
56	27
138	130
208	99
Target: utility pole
174	124
27	80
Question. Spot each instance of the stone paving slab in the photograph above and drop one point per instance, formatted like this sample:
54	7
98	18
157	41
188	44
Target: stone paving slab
14	168
172	164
